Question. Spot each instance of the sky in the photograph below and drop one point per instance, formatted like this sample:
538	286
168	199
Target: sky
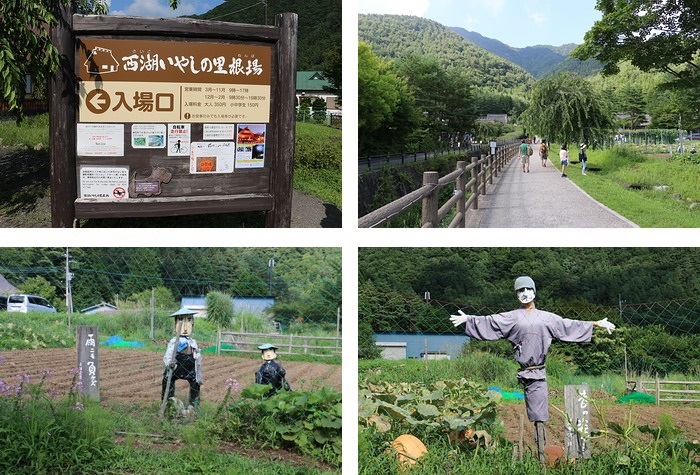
161	8
517	23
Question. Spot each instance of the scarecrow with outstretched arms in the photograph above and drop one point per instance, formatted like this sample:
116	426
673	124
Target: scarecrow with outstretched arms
530	331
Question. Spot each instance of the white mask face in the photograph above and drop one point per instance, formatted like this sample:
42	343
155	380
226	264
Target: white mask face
525	295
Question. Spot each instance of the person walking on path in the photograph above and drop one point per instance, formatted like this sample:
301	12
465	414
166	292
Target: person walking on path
563	159
583	158
531	332
525	152
543	150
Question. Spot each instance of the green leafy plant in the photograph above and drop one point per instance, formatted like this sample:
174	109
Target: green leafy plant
309	422
453	405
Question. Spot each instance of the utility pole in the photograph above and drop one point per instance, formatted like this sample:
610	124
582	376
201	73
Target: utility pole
69	294
265	2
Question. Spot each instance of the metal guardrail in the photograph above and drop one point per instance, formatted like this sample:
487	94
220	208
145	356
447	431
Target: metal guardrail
481	171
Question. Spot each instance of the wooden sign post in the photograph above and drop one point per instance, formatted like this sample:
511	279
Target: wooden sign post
88	362
169	117
577	428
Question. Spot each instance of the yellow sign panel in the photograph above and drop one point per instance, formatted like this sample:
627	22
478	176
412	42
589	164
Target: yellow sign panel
169	102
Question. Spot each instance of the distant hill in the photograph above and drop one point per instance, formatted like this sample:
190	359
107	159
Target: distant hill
540	60
320	24
394	36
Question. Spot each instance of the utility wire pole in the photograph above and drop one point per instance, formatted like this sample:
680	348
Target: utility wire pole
69	293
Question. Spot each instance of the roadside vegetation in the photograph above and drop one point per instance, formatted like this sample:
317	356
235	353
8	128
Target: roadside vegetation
654	190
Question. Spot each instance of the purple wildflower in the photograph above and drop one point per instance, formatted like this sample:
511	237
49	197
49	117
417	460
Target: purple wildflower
45	373
232	384
22	378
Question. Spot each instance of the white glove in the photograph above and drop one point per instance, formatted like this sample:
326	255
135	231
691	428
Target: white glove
457	320
604	323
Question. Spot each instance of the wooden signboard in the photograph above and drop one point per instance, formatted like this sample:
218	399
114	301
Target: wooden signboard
171	117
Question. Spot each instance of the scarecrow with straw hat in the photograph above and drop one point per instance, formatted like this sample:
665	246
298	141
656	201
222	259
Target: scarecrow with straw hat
271	372
183	359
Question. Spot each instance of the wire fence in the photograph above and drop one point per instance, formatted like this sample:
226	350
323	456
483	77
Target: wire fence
651	338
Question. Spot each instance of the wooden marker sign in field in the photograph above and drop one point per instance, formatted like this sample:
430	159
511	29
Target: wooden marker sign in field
577	427
88	362
167	117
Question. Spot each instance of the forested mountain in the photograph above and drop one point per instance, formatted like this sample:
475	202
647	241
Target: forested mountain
319	31
581	276
304	281
540	60
395	36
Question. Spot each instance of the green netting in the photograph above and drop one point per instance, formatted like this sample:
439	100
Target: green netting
637	397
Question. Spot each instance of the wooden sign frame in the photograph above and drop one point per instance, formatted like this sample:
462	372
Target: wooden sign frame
158	184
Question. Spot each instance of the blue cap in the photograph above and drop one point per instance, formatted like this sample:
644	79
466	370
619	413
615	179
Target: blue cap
267	346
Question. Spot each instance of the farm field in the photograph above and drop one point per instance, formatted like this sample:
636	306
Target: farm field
135	376
686	419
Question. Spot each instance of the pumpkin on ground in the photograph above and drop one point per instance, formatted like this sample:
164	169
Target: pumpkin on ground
408	449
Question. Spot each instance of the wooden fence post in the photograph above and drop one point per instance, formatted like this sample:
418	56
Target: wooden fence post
475	181
62	112
461	187
483	180
280	216
430	202
577	429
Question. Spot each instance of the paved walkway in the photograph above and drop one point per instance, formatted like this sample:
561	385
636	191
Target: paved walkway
541	199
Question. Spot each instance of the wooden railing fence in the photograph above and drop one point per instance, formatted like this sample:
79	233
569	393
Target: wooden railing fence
286	344
481	171
668	391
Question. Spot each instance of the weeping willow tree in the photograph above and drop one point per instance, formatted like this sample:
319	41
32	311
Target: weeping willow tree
565	108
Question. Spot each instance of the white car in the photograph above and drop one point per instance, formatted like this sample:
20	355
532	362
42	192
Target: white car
28	303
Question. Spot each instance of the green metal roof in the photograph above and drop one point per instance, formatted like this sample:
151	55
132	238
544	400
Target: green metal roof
311	81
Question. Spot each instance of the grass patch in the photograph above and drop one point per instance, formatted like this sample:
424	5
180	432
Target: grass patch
318	162
33	130
626	181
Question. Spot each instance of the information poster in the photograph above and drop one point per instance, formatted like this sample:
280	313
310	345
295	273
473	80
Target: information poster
104	182
179	140
148	135
100	140
212	157
219	131
250	146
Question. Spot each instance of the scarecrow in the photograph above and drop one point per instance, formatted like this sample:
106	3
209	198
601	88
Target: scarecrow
271	372
183	359
530	331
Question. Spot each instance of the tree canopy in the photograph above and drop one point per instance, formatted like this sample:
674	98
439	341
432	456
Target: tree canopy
662	36
565	108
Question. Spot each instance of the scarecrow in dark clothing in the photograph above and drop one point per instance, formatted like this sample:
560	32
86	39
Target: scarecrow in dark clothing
183	359
271	372
530	331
